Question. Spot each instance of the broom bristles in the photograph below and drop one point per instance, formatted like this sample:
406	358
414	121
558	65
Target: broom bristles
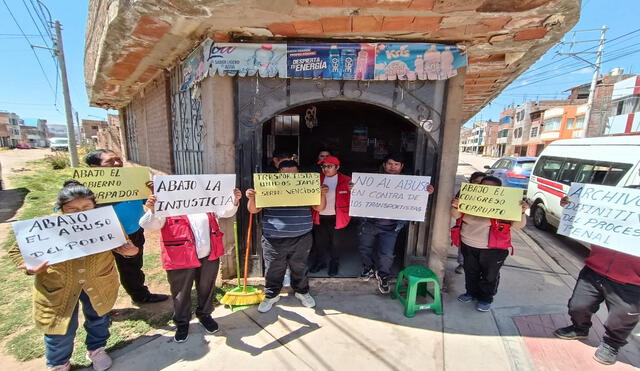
242	298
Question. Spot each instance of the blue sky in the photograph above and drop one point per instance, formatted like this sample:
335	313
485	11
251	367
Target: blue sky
26	92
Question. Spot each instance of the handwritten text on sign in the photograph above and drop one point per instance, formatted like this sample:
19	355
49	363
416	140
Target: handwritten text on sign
490	201
115	184
63	237
386	196
287	189
605	216
192	194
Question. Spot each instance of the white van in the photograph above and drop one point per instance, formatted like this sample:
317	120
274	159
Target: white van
612	161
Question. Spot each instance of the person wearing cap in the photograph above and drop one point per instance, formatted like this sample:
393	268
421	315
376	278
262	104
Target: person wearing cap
379	236
279	155
335	216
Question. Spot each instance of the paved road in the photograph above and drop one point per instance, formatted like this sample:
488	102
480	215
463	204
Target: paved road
568	253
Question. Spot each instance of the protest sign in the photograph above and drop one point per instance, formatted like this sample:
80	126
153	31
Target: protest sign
63	237
386	196
604	216
114	184
490	201
192	194
287	189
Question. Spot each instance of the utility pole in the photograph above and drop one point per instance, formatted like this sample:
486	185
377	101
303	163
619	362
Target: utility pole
73	150
594	80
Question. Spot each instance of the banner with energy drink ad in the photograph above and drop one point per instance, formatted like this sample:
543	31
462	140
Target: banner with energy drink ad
331	61
407	61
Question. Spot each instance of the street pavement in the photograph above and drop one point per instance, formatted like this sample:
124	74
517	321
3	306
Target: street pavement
354	327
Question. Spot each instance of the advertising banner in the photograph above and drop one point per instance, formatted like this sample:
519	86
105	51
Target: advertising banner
331	61
386	196
409	61
604	216
266	60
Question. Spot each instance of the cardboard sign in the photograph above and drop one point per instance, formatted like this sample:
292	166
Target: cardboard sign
63	237
287	189
490	201
604	216
193	194
386	196
114	184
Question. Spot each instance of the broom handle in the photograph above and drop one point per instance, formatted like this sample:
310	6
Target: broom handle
235	243
246	255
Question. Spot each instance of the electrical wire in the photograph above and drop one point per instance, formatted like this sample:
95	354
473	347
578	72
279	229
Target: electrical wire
35	23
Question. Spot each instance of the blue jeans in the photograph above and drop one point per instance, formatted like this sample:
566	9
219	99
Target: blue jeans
60	347
386	237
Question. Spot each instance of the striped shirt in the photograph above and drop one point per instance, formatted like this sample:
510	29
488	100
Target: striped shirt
286	222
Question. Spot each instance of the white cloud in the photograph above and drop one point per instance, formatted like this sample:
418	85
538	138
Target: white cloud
583	71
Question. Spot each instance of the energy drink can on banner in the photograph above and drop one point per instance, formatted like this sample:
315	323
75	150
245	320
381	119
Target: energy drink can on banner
348	60
335	64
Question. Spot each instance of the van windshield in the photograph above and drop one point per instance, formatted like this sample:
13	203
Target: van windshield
59	141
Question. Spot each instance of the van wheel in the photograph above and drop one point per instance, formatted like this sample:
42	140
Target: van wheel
540	218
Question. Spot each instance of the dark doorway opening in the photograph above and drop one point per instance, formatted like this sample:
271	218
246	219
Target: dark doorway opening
361	136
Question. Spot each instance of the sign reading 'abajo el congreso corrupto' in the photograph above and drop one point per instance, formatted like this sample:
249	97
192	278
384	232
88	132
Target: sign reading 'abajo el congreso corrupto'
386	196
63	237
604	216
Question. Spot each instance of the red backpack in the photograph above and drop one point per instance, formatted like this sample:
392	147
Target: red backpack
499	234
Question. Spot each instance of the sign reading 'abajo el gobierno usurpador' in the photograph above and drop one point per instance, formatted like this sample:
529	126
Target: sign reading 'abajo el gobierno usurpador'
387	196
63	237
604	216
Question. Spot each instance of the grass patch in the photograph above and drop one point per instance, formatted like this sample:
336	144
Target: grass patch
17	333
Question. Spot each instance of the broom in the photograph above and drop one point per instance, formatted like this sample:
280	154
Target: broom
244	296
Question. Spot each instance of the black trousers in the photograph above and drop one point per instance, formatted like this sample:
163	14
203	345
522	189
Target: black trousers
622	301
482	271
130	269
325	241
181	282
280	252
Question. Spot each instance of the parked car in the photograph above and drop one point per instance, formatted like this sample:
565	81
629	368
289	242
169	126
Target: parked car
513	171
611	161
59	144
23	146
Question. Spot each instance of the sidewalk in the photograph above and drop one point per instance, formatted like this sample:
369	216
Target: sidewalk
355	327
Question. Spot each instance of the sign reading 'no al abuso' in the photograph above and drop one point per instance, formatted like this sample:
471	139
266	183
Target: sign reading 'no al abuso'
286	189
386	196
193	194
604	216
63	237
490	201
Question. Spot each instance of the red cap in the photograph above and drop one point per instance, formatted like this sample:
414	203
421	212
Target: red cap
330	160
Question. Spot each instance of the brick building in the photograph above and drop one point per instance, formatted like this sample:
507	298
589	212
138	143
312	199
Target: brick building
89	130
187	106
624	114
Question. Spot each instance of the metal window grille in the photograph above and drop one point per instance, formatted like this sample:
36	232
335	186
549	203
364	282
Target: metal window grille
130	132
187	127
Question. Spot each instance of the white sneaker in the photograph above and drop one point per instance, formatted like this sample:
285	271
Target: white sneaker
100	359
306	300
266	304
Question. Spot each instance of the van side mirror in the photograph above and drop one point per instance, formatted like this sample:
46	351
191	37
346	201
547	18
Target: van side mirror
487	167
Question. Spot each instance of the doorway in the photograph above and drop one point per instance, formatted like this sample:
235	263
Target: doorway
361	136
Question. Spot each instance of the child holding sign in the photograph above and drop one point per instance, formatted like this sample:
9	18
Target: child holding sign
59	288
191	248
485	244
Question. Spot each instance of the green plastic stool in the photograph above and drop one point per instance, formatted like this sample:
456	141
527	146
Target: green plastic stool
418	278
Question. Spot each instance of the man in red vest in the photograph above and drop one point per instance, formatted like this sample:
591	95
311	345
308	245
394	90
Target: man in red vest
335	216
612	277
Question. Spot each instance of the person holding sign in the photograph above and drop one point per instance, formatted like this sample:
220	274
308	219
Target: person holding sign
129	213
613	277
60	288
384	232
334	217
191	248
286	240
475	178
485	244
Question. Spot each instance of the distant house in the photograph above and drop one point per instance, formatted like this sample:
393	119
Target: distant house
624	114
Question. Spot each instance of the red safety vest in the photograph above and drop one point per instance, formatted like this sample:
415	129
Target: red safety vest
178	243
343	199
615	265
